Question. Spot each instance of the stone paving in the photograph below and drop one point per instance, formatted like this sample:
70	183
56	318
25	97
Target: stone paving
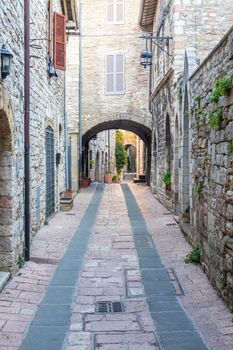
111	272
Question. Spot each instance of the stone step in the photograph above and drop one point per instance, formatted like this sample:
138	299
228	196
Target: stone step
4	278
129	176
138	180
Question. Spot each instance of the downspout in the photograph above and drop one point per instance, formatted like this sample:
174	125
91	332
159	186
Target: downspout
66	137
27	127
80	92
109	152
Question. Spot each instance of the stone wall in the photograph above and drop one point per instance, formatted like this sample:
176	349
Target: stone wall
11	137
195	32
212	168
47	109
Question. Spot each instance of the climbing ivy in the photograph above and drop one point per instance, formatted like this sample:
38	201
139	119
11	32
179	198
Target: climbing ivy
222	87
167	178
215	118
120	153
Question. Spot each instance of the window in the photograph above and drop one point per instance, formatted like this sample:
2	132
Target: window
115	74
115	11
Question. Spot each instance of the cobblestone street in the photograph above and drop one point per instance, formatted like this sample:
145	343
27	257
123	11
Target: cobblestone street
102	257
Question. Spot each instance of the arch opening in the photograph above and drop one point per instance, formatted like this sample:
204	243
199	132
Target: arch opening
142	131
6	192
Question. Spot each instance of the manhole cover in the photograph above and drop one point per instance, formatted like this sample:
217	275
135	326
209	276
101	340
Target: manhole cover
109	307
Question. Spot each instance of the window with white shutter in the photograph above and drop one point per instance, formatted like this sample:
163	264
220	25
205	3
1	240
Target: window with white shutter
115	11
115	74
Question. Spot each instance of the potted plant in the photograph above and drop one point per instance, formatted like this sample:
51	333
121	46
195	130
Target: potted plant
167	180
115	179
108	177
85	182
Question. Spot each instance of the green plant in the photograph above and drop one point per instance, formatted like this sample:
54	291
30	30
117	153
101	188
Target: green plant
167	178
197	99
194	256
92	162
223	280
115	178
21	261
215	118
46	222
222	87
120	153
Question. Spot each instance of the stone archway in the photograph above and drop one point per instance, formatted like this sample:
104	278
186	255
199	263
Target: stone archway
6	182
142	130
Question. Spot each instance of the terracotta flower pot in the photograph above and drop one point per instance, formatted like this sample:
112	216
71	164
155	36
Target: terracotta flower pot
85	182
108	178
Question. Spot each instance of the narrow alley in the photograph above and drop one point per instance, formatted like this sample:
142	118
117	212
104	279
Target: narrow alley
110	274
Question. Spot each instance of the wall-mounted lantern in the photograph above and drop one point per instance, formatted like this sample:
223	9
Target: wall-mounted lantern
6	58
51	70
146	58
147	55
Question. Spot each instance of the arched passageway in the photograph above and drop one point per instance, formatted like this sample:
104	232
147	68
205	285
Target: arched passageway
6	192
139	129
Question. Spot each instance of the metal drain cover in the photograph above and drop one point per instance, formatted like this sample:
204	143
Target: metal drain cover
109	307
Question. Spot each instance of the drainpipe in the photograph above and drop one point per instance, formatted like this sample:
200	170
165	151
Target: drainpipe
80	91
27	127
66	137
109	152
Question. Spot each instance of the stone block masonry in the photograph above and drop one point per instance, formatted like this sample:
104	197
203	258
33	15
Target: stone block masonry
212	175
47	109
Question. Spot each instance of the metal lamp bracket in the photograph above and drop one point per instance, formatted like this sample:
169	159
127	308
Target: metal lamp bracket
153	39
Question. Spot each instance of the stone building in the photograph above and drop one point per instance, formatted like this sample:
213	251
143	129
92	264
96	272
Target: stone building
101	155
185	29
114	87
47	124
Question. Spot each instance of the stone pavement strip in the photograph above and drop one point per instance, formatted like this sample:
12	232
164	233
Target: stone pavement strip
134	254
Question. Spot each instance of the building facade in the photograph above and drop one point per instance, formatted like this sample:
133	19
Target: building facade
185	32
101	155
114	87
47	122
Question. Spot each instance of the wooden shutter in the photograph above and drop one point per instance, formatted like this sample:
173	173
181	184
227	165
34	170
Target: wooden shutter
119	13
115	74
110	11
119	75
59	45
110	74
